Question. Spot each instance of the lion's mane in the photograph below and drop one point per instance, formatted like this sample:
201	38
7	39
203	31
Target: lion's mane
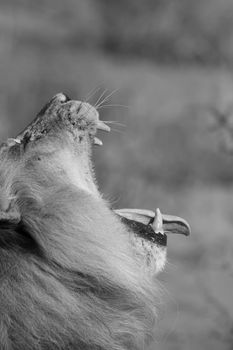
69	276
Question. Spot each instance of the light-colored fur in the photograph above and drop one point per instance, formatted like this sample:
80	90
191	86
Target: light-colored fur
69	275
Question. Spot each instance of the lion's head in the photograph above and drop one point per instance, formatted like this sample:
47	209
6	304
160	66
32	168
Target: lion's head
74	273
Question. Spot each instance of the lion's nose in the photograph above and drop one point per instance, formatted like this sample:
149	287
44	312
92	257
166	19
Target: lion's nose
56	101
61	97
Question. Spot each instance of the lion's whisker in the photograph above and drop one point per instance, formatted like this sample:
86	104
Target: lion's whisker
97	103
106	98
113	105
91	93
114	122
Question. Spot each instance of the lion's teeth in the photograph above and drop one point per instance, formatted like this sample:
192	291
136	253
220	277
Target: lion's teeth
98	141
12	141
102	126
17	140
158	222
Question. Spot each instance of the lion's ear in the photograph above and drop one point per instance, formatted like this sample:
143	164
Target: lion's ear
9	212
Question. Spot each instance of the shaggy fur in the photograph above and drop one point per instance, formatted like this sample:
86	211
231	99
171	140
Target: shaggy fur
69	276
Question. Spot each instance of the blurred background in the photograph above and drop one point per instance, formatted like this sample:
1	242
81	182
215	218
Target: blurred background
161	71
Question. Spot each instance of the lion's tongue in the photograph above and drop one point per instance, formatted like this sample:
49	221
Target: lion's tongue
159	222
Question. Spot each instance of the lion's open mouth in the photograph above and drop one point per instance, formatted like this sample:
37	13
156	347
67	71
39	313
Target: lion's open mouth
81	121
153	226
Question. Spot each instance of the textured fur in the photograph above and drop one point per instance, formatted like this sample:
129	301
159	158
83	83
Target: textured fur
69	275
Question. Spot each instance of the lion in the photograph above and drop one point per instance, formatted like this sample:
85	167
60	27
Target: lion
74	272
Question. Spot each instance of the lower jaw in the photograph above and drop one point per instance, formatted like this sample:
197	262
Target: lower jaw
146	232
152	256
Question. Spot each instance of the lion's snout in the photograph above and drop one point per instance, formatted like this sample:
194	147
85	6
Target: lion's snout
63	114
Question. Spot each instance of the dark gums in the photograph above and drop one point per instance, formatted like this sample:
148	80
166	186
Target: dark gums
146	231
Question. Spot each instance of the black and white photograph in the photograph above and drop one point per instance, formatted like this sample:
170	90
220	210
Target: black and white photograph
116	175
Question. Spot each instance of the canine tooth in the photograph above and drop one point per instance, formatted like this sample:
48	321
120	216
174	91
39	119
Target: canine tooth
17	140
98	141
158	222
102	126
12	141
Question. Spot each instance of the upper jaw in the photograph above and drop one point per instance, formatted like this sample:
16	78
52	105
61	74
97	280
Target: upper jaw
62	125
62	113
